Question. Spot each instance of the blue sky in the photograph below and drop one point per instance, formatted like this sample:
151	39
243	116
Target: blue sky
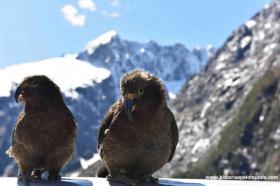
32	30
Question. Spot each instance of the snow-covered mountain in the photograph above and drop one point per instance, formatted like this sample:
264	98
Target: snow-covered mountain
229	115
173	64
62	70
90	83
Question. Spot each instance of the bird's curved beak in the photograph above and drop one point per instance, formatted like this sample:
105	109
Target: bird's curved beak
129	105
19	94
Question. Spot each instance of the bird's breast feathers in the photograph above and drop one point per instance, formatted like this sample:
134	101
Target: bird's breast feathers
144	132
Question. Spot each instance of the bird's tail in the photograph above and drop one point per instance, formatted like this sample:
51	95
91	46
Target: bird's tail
102	171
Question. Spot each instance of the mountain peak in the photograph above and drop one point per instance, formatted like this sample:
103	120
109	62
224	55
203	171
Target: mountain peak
101	40
213	103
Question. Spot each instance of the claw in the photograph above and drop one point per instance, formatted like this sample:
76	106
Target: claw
19	178
55	177
26	179
151	179
36	174
123	179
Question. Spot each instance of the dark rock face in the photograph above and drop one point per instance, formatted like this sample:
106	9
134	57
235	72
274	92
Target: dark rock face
212	101
88	110
8	114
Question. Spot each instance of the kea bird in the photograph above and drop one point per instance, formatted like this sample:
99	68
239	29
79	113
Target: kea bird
138	134
44	135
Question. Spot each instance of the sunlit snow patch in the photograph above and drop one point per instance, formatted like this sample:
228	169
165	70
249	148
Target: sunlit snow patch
101	40
250	23
86	163
67	72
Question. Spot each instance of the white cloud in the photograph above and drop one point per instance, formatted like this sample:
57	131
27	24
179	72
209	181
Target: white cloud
114	14
71	15
110	14
115	3
87	4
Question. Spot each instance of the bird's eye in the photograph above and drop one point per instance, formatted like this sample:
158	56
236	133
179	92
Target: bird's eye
140	91
34	83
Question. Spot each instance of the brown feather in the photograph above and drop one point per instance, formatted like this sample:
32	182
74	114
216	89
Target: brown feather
144	145
45	131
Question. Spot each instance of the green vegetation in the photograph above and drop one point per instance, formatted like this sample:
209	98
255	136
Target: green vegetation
246	131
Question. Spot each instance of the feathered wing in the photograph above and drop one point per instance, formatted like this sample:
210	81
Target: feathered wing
13	137
9	151
17	136
174	135
15	141
16	128
105	124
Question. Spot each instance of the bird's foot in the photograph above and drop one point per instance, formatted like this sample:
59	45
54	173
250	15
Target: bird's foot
19	178
123	179
36	175
25	178
54	177
150	179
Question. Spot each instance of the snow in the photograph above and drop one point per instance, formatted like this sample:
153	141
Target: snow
245	41
101	40
204	110
86	163
223	57
171	95
269	48
228	82
142	50
266	6
209	47
89	181
67	72
200	145
260	35
250	23
261	118
220	66
276	136
267	26
122	56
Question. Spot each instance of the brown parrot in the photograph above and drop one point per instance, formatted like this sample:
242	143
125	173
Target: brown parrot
45	132
138	134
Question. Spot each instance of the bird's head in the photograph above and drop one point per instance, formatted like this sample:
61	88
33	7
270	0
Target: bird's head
37	90
141	93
